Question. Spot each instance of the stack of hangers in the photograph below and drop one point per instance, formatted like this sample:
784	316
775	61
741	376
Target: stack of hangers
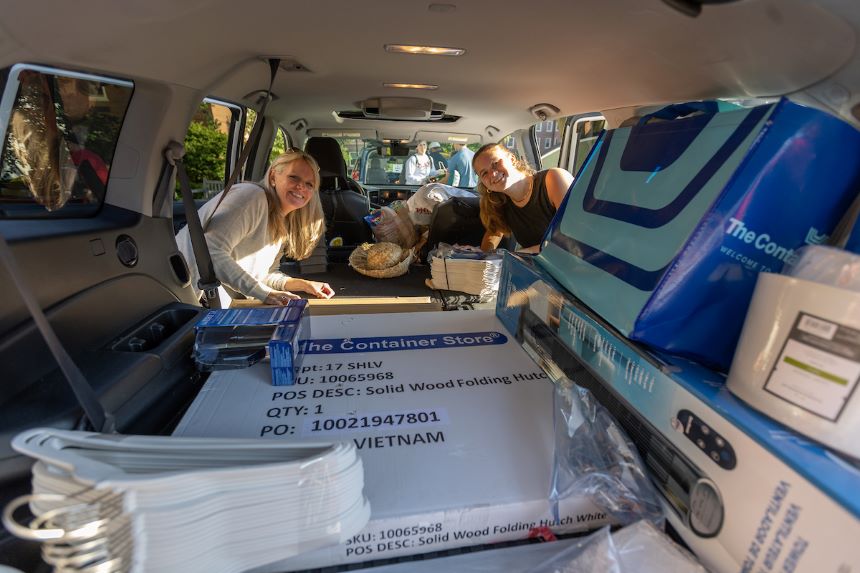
140	503
465	269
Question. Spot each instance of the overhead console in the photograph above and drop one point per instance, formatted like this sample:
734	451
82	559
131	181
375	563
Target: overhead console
399	109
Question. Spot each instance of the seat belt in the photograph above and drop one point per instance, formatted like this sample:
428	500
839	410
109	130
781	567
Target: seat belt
208	282
100	420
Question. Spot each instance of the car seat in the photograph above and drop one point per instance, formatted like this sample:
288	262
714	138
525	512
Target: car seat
375	173
344	203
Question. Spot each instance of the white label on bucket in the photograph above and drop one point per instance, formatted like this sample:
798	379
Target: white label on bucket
818	368
816	326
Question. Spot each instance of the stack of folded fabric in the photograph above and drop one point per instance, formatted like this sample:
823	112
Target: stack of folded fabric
135	503
465	269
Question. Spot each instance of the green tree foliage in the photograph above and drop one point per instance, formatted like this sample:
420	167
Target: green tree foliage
347	157
205	149
250	120
104	127
278	146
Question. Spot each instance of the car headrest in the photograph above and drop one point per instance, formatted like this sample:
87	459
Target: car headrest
327	153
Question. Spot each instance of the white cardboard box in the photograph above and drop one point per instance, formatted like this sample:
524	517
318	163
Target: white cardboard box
452	419
782	503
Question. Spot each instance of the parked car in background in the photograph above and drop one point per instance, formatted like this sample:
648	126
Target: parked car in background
380	162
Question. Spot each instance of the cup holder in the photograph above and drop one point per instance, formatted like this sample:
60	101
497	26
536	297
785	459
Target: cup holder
155	330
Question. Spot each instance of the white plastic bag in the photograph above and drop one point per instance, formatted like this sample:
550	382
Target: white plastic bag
426	198
392	224
826	265
593	457
637	548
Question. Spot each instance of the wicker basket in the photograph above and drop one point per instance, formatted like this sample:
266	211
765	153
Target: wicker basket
358	261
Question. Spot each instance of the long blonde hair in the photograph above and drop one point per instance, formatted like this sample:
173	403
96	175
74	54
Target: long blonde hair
491	204
303	228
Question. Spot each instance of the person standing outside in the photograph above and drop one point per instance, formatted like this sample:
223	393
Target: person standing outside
460	171
440	163
419	166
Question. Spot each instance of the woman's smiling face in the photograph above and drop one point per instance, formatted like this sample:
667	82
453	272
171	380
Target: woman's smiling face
494	167
294	185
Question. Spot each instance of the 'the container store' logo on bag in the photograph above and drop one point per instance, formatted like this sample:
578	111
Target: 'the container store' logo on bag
814	238
763	241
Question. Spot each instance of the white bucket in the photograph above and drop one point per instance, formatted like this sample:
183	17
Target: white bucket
798	359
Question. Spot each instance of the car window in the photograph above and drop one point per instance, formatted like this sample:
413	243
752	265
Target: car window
279	145
514	142
382	162
586	131
61	133
373	161
548	141
350	148
208	145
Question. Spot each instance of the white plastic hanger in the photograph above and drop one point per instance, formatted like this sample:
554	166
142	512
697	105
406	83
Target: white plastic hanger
139	503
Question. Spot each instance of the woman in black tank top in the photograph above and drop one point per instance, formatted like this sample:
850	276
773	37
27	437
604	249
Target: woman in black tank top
514	199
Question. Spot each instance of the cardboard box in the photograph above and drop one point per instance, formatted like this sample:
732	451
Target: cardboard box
360	305
744	492
285	351
452	420
372	305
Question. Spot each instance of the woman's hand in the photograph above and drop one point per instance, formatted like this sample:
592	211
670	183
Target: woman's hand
319	290
491	241
280	297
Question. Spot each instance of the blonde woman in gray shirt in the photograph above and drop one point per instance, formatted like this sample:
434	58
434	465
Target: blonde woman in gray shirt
255	224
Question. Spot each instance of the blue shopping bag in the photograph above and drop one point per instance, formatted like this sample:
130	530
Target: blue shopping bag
669	222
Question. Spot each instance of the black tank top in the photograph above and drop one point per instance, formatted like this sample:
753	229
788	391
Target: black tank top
529	222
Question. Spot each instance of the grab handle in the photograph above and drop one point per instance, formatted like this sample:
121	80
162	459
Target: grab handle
677	110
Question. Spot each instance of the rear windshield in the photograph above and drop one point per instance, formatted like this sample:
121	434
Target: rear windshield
60	136
381	162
